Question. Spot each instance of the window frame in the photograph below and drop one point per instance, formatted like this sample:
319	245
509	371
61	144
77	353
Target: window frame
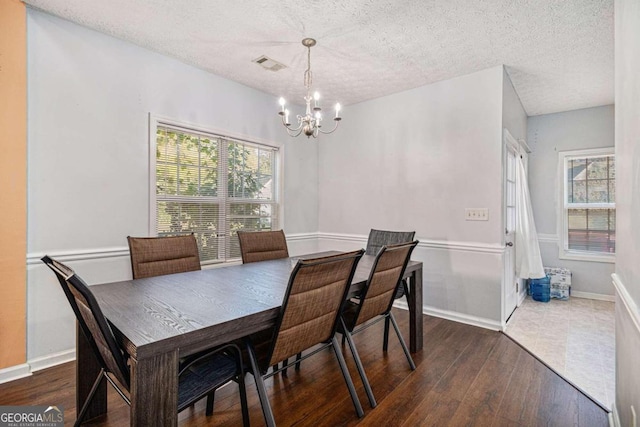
562	207
156	121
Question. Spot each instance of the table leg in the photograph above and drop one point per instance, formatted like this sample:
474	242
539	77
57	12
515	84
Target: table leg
87	370
415	310
154	390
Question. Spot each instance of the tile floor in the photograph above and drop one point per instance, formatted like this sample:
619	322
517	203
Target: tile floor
576	338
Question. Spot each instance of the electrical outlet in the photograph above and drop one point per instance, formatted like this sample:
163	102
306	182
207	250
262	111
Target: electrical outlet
476	214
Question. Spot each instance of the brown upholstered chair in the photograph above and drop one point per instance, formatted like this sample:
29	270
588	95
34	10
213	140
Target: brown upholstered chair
157	256
379	238
200	376
375	303
309	316
258	246
262	245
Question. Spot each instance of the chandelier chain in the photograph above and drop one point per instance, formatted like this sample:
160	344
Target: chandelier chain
308	77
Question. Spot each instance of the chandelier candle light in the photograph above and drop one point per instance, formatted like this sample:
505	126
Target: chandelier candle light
310	122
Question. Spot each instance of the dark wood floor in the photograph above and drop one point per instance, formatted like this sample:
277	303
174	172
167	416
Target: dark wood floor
465	376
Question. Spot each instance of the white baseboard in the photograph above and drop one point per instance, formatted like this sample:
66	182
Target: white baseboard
52	359
14	372
614	418
468	319
589	295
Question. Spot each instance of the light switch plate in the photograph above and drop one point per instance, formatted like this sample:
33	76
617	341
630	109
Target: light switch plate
476	214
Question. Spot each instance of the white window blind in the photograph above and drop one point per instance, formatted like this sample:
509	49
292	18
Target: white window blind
589	203
213	186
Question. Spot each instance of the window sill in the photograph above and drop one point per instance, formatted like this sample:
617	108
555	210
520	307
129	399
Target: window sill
587	256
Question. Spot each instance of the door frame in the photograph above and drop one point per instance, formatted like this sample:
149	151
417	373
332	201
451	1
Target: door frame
520	148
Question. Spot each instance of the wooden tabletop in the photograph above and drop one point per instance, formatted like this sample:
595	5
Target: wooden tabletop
196	310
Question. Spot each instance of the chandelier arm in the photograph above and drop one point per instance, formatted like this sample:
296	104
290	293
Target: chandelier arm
295	132
289	127
330	131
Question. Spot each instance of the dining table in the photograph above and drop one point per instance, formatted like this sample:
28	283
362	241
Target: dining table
159	320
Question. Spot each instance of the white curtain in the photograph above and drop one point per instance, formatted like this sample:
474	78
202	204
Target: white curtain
528	259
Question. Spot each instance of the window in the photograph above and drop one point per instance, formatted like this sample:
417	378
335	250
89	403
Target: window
213	186
588	205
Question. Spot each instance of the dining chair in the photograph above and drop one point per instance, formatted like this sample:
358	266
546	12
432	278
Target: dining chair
375	303
258	246
262	245
198	376
157	256
379	238
309	317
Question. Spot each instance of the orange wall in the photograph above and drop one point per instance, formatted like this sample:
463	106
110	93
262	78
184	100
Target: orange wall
13	182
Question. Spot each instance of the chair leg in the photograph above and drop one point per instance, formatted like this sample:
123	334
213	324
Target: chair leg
363	375
210	399
262	392
385	338
285	365
243	401
298	361
85	406
405	285
347	377
402	343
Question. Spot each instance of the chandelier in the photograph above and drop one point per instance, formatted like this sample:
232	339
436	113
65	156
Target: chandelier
310	123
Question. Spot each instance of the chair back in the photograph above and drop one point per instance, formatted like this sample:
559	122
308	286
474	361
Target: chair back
157	256
384	279
379	238
312	304
262	245
91	320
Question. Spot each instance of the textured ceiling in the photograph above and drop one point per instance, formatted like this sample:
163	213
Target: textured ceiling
559	53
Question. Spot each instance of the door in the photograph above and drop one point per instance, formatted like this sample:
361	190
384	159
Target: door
511	283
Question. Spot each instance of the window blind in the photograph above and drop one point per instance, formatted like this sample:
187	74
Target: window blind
213	186
590	203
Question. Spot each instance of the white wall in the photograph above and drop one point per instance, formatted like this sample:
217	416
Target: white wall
627	27
88	105
547	135
514	117
414	161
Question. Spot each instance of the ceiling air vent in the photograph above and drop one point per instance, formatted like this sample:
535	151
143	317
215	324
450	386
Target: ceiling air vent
269	64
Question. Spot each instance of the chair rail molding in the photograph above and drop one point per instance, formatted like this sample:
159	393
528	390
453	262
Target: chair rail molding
548	238
79	254
301	236
424	243
118	251
123	251
628	303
